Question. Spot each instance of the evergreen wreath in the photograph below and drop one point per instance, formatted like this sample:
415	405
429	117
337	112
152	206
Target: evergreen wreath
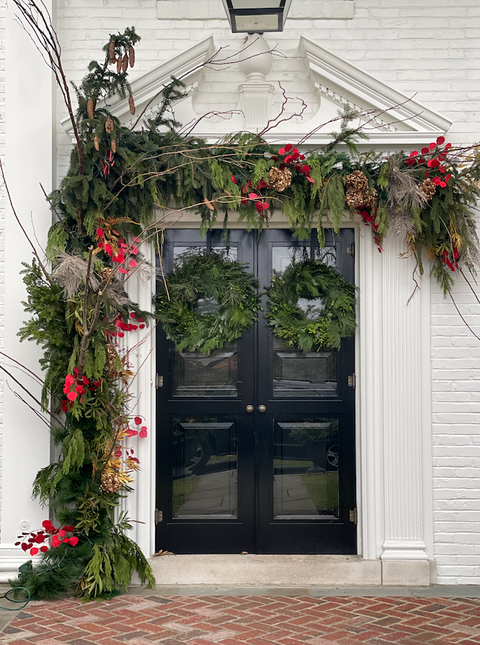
320	327
217	281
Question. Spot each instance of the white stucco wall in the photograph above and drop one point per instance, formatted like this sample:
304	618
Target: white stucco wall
2	220
427	50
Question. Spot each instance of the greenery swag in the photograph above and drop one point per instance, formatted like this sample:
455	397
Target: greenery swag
120	184
218	283
321	324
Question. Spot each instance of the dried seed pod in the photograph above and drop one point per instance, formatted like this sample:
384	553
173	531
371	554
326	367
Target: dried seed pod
125	63
109	125
119	64
90	108
208	204
279	179
358	195
113	145
96	142
110	482
111	51
428	188
131	103
107	275
131	56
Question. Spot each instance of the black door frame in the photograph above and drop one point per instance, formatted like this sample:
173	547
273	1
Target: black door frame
255	530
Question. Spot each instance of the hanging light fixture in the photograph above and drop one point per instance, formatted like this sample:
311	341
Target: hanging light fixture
256	16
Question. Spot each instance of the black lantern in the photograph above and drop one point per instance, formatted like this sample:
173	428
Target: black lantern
257	16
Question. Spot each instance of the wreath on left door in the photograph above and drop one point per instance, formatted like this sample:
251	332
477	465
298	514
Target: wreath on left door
206	302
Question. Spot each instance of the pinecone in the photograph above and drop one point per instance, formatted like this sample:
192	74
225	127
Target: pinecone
131	103
279	179
358	195
109	125
113	145
110	482
111	51
90	108
428	188
96	142
131	56
125	63
119	64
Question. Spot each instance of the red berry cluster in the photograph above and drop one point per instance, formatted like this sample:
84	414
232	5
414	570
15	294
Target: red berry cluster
450	257
291	159
75	387
121	326
368	218
117	249
30	541
142	433
437	155
108	162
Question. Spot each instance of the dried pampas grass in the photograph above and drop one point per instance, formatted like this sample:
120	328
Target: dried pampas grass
71	273
403	196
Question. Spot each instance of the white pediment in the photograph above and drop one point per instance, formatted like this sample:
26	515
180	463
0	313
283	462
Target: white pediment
220	99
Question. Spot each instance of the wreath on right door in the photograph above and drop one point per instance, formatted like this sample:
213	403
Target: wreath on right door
327	313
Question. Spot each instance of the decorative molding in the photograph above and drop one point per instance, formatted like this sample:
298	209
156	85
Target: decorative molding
398	121
342	81
187	66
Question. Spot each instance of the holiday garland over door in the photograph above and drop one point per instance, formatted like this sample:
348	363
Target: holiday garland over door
105	208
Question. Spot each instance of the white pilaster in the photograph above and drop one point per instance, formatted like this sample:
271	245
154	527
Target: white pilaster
29	161
395	424
140	505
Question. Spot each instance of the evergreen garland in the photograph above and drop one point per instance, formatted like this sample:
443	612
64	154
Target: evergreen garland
327	322
210	277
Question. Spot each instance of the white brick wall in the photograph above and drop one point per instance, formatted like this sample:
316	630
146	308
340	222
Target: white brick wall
425	49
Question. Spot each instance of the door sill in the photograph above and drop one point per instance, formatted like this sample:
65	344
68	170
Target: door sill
288	571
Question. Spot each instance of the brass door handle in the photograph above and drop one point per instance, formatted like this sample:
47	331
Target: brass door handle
249	409
262	408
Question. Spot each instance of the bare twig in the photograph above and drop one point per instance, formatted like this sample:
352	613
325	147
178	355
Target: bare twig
39	27
35	252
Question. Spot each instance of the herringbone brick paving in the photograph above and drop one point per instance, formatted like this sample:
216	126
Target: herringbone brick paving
249	620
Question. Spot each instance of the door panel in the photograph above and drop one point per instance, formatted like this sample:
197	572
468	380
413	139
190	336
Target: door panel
280	477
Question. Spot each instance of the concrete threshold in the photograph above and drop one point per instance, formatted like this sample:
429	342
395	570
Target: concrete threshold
288	571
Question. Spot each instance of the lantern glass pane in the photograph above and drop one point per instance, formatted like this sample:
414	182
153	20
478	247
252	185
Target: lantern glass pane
254	4
257	23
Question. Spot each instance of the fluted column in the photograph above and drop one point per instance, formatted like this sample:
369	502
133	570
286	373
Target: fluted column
140	505
394	416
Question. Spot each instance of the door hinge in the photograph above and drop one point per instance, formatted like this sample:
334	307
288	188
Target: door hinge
352	381
158	381
353	516
351	250
158	516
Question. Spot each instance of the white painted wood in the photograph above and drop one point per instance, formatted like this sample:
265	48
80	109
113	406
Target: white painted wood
29	160
140	505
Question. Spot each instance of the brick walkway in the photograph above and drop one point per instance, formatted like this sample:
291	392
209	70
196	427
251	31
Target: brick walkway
252	620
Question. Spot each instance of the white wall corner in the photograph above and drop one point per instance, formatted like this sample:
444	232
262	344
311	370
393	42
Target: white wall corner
28	118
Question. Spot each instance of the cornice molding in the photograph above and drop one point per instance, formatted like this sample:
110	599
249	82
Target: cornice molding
397	120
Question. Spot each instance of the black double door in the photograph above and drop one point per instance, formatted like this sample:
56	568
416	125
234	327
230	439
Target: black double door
255	443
